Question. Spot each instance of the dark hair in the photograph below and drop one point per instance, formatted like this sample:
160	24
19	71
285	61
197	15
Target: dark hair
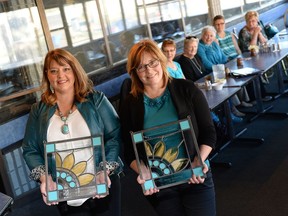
218	17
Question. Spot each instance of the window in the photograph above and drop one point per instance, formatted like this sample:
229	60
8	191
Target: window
76	22
23	47
56	27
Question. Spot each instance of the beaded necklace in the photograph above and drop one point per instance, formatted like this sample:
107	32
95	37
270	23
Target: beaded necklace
64	127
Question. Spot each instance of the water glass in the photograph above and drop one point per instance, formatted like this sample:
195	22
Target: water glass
219	72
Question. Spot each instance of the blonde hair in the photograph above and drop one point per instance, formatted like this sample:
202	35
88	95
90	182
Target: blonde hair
190	39
82	86
135	58
251	14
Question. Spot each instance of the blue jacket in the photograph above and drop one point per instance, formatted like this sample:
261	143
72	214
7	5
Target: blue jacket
211	55
99	115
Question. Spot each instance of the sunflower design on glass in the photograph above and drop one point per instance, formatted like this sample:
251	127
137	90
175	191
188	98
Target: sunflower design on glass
164	162
71	175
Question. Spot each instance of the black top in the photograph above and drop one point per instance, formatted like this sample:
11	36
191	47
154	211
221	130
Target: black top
188	101
193	69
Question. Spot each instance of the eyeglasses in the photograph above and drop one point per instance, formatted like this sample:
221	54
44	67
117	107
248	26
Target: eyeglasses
190	37
152	64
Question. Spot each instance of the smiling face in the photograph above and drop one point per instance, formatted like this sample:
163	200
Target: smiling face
150	71
190	48
208	37
61	77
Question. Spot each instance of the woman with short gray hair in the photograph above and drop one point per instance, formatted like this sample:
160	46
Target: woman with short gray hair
208	50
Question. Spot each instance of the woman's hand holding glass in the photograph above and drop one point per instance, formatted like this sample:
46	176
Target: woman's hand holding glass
198	179
146	174
51	187
100	179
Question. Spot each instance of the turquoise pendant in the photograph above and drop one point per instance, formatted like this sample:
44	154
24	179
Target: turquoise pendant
65	129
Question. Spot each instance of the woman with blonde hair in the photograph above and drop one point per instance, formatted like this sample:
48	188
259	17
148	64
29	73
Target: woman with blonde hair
251	34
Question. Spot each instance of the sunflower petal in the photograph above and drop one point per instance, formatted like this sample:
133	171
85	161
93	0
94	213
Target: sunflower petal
85	179
79	168
148	149
159	149
171	154
58	160
69	161
179	164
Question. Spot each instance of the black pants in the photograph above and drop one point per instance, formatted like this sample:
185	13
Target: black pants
108	206
186	199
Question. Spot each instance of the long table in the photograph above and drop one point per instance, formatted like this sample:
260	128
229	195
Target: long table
263	62
219	98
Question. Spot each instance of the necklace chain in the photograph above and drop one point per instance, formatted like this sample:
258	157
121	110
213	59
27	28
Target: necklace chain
196	64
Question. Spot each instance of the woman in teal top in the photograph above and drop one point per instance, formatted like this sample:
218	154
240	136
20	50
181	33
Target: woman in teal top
169	49
208	50
156	99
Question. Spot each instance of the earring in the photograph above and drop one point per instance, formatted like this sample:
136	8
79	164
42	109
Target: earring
52	89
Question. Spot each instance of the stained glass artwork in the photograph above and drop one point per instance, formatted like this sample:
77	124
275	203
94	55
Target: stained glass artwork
165	154
74	169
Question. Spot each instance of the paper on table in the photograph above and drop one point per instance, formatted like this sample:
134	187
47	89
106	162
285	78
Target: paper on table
245	71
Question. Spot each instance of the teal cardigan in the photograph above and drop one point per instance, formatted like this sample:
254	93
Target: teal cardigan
99	115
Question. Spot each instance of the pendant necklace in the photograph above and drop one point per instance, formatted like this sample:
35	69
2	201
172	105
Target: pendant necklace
64	127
